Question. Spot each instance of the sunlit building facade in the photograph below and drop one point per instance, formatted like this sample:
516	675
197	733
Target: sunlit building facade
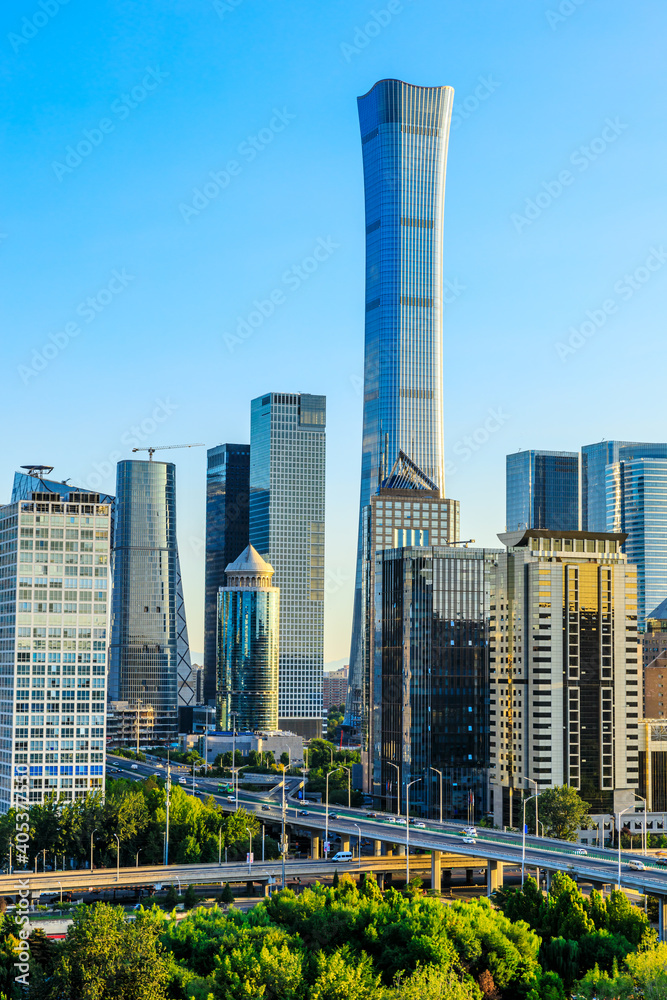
542	490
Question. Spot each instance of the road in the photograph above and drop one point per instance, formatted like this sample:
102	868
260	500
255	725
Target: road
599	865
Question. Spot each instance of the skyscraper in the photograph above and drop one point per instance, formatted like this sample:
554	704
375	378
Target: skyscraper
227	534
594	460
248	620
287	474
146	596
54	628
637	504
542	490
565	694
404	138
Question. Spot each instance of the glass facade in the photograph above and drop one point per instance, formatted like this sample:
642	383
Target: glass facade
636	492
594	460
144	643
54	625
287	478
227	535
431	677
542	490
248	620
404	140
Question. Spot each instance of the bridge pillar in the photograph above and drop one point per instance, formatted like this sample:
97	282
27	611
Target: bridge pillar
344	842
662	917
469	874
380	880
494	876
314	846
250	888
436	870
400	849
377	848
388	849
548	881
597	885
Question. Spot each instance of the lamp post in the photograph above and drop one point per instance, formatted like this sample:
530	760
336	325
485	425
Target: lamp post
407	828
398	785
441	782
117	857
166	832
91	849
536	797
618	831
326	808
249	832
234	716
645	833
523	837
358	845
283	850
137	858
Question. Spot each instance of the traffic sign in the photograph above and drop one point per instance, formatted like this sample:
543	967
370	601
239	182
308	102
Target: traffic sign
327	846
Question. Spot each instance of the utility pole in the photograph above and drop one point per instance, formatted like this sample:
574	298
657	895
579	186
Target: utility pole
166	838
440	773
283	849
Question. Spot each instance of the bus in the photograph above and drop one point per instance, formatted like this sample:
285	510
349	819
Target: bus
225	789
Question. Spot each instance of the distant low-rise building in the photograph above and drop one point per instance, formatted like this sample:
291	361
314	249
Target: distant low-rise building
334	687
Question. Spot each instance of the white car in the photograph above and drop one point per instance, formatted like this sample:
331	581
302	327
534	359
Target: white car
401	820
469	840
470	831
637	866
421	825
582	851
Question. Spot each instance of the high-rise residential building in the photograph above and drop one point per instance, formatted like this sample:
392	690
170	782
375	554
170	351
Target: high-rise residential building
227	534
636	491
148	640
248	623
431	678
404	140
542	490
565	697
54	630
334	688
594	461
287	478
405	510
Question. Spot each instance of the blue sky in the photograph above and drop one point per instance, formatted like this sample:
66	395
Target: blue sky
123	288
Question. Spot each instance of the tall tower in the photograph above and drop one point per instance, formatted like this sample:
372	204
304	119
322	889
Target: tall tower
404	138
147	637
542	490
248	609
287	472
227	527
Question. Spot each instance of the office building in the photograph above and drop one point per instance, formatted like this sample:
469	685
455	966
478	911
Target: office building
405	510
146	621
565	698
54	626
636	491
594	461
287	472
404	141
334	688
431	679
248	622
227	534
542	490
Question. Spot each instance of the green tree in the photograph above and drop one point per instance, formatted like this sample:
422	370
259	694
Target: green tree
562	810
190	897
227	894
105	957
648	969
284	758
598	985
171	899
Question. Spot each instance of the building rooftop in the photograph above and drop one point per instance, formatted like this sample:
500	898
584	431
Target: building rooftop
249	561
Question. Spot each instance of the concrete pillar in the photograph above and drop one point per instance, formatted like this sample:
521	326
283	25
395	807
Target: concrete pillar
380	879
388	849
598	885
494	876
436	870
400	849
265	888
250	888
548	881
469	874
314	846
344	842
377	848
662	917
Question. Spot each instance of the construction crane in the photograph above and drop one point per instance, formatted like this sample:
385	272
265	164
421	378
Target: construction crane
166	447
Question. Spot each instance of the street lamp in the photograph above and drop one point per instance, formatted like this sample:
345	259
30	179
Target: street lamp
645	833
326	808
407	828
117	857
220	846
91	848
359	845
440	773
137	858
283	850
398	785
523	837
537	797
618	831
234	716
249	832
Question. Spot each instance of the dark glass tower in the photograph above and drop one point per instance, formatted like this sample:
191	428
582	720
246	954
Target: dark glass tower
404	138
144	652
227	492
542	490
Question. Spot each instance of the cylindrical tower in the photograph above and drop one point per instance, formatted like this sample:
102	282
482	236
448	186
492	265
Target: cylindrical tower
247	645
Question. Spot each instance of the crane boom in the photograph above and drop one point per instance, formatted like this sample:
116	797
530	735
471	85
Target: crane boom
167	447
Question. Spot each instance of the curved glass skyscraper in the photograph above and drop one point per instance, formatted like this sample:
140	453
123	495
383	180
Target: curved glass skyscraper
404	138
